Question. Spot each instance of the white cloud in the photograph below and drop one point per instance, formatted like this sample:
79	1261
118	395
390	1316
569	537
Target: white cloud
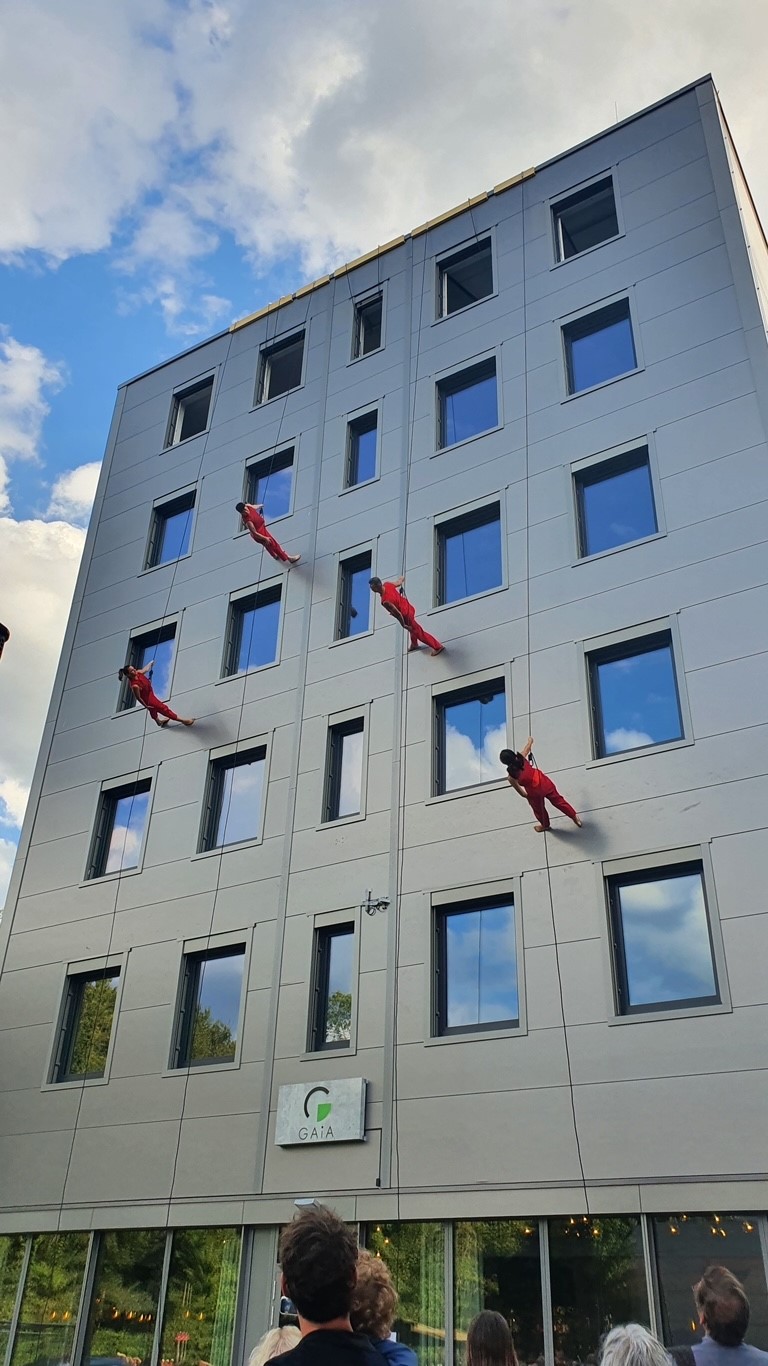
7	855
621	738
25	377
465	764
73	493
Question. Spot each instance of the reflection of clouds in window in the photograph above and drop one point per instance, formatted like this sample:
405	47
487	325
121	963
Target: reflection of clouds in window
621	738
351	782
666	940
240	802
481	952
220	989
638	699
471	759
127	832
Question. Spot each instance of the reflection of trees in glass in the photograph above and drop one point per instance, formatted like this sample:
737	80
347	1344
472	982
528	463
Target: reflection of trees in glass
11	1256
125	1295
414	1254
598	1280
51	1297
338	1017
211	1038
93	1028
497	1266
202	1290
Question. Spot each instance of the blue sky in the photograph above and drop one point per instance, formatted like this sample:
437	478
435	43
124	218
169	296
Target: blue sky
169	165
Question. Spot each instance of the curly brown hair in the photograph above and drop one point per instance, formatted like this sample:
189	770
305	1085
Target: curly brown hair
375	1299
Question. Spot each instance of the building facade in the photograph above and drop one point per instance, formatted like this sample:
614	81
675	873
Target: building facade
531	1067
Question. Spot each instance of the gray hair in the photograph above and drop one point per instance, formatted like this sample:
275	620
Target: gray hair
632	1345
274	1343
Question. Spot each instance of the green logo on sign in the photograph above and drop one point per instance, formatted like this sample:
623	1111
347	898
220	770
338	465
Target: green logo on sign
323	1110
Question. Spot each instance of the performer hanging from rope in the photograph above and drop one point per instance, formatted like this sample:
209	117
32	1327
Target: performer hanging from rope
5	636
252	515
394	601
141	687
535	786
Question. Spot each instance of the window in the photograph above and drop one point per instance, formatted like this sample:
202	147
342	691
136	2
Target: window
470	729
344	777
45	1333
253	626
415	1255
598	1280
12	1253
585	219
129	1271
599	347
497	1266
469	554
465	277
233	808
169	530
157	645
354	610
119	829
280	369
331	1025
368	315
362	436
687	1243
209	1010
86	1026
467	403
270	482
189	413
201	1297
661	939
614	502
634	695
476	959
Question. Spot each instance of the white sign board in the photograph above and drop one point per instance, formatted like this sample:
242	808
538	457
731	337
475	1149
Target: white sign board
321	1112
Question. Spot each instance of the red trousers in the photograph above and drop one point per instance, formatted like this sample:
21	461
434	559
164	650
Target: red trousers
407	618
157	708
548	790
269	543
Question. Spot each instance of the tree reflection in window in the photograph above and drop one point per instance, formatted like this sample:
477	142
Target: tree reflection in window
11	1256
202	1291
496	1265
48	1317
126	1288
415	1255
598	1280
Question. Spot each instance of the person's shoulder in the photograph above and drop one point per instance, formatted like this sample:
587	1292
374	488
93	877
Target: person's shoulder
754	1354
396	1353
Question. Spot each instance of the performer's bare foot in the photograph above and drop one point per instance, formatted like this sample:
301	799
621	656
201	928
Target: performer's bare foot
163	723
294	559
540	829
578	821
412	647
438	652
190	722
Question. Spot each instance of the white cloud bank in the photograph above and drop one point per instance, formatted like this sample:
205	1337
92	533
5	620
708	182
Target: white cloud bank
26	376
73	493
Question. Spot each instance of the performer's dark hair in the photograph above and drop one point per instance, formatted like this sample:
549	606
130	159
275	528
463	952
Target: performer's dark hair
513	761
121	674
240	507
375	584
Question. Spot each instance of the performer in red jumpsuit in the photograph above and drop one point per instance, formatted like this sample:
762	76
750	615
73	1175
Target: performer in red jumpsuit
535	786
141	688
398	606
251	514
5	636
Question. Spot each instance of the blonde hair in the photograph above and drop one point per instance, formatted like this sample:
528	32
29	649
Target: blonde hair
274	1343
374	1298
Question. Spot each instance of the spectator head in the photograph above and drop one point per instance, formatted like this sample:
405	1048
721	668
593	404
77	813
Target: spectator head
273	1344
375	1298
489	1341
632	1345
722	1305
318	1256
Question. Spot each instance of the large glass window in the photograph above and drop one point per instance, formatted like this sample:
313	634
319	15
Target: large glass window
170	529
470	729
362	438
344	776
123	1312
662	942
465	277
615	503
496	1265
584	219
415	1255
634	695
597	1276
353	615
476	967
199	1315
157	645
599	347
469	554
686	1244
210	1006
119	828
254	622
49	1306
11	1257
331	1023
280	368
235	791
467	403
189	412
269	484
368	317
89	1010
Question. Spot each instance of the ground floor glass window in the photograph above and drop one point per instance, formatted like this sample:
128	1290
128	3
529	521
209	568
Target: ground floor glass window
496	1265
11	1257
685	1245
46	1331
125	1295
199	1316
597	1274
415	1255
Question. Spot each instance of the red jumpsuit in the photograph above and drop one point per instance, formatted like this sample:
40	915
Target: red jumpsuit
258	529
147	698
398	606
538	787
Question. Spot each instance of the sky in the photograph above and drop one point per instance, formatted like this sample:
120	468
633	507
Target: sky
170	165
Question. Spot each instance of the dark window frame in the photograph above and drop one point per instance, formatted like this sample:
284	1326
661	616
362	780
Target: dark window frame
486	515
660	872
238	607
600	471
466	378
213	796
483	245
576	329
493	687
362	307
105	821
320	981
187	1005
349	565
176	419
266	355
357	427
572	200
264	467
627	649
71	1014
337	733
161	512
159	636
440	917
